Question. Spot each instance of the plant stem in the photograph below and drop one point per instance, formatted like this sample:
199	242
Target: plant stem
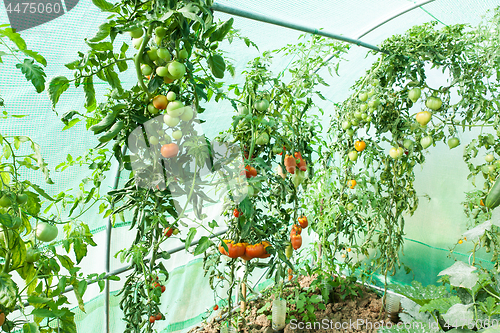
137	60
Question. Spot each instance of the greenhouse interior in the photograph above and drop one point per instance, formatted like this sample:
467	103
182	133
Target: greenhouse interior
249	166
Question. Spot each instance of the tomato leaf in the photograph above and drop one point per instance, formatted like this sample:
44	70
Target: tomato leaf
14	37
71	124
112	78
192	232
43	313
104	5
203	245
217	65
57	86
35	55
102	46
221	32
103	32
88	88
33	73
30	328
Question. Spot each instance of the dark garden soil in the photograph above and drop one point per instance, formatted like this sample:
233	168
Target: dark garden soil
361	314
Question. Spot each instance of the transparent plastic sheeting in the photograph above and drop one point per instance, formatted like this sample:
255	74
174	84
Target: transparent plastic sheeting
436	226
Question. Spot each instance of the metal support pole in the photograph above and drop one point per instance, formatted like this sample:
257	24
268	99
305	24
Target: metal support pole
266	19
382	22
393	16
109	227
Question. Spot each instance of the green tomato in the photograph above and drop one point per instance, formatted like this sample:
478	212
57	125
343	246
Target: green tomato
164	54
453	142
160	32
262	105
5	201
177	135
171	96
136	32
175	108
153	140
433	103
146	69
353	155
21	198
363	97
171	121
350	132
32	255
262	139
46	232
176	69
374	103
363	107
243	109
497	163
152	53
162	71
489	158
350	206
188	114
158	40
183	54
407	143
371	93
357	115
426	141
152	109
414	94
346	124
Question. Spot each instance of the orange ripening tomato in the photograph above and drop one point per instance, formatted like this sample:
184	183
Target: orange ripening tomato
290	164
160	102
296	230
296	241
265	244
255	251
290	277
302	163
236	212
351	183
169	150
303	221
359	145
481	202
222	249
250	171
236	250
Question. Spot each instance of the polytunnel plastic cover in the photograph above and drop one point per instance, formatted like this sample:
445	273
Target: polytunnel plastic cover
60	38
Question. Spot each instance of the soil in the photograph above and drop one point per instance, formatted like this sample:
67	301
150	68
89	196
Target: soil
361	314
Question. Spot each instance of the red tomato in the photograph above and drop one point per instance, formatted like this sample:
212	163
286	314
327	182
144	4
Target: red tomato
152	319
296	230
250	171
163	288
296	241
168	231
303	222
158	316
169	150
236	212
216	307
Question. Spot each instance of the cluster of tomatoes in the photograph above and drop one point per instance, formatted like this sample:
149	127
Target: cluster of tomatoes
294	162
244	250
295	233
169	231
158	316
